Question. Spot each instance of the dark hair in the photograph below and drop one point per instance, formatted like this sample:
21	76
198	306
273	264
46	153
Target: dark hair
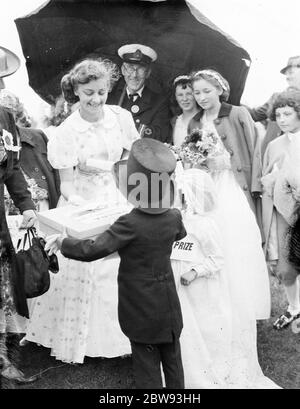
184	81
214	78
290	98
86	71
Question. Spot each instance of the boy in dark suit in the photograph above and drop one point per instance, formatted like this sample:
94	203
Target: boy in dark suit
149	308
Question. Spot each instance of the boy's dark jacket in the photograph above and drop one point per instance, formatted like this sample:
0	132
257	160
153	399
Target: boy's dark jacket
149	308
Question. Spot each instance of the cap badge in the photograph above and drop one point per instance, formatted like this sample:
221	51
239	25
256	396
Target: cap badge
137	55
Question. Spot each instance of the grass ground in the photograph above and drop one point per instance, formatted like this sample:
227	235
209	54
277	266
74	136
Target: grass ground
278	355
279	351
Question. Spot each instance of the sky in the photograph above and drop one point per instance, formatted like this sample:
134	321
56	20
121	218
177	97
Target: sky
268	29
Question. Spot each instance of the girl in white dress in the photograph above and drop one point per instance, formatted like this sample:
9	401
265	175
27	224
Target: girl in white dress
77	317
202	287
244	262
218	341
185	101
242	240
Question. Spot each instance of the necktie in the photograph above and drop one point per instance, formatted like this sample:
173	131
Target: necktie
133	96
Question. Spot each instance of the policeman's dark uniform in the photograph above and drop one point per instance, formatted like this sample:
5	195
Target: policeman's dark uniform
12	177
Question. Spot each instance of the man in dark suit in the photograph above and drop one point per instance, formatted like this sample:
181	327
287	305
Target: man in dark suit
150	110
149	308
12	296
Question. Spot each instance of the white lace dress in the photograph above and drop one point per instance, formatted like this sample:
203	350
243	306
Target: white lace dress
218	341
206	336
247	274
78	317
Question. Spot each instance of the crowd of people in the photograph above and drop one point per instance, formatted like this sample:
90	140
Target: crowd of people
193	317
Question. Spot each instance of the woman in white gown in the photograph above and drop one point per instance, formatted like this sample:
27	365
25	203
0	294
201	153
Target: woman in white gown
202	287
244	263
77	317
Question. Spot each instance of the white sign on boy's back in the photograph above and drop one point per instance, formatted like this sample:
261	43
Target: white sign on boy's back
187	249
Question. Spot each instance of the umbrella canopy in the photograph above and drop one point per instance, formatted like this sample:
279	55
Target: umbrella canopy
61	32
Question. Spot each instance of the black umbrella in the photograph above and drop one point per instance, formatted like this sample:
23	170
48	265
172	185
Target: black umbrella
62	32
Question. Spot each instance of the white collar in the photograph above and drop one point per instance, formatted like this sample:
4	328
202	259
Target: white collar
79	124
291	136
139	92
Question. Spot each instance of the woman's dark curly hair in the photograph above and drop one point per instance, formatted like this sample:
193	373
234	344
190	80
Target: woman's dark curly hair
290	98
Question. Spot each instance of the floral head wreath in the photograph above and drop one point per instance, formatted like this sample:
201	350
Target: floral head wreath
215	75
181	78
198	189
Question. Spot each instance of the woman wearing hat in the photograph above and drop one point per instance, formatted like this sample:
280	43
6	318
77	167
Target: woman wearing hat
83	148
12	297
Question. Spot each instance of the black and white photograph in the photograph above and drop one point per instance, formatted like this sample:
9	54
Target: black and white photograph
149	197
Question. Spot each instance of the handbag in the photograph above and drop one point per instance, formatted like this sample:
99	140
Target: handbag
34	263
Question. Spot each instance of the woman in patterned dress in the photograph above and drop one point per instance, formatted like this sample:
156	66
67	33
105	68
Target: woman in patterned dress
77	317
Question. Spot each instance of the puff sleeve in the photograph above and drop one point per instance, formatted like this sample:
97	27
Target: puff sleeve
62	148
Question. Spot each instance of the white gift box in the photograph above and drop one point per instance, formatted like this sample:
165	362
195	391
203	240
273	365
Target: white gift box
81	222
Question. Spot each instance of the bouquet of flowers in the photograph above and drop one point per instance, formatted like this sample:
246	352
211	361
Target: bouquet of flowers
197	147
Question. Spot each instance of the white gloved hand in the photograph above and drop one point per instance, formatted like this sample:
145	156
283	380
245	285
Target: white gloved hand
76	200
52	245
29	218
54	242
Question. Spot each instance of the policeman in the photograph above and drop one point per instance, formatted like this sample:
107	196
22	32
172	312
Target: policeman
12	296
150	110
